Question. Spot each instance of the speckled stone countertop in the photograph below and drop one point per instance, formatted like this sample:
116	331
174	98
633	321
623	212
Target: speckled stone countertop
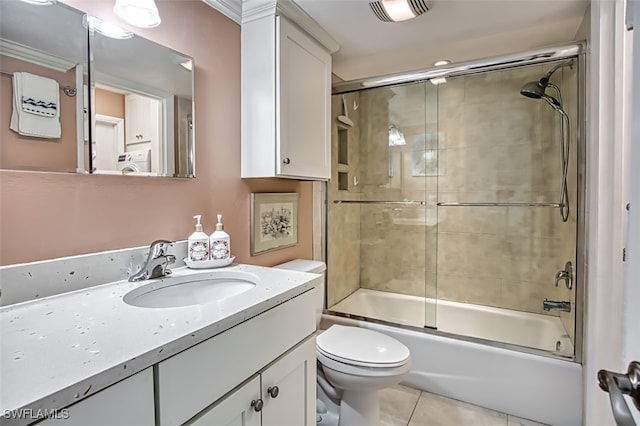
60	349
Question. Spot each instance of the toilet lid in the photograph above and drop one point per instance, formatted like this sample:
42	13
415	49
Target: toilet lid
359	346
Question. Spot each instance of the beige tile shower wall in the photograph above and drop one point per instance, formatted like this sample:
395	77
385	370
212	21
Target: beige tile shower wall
499	146
343	234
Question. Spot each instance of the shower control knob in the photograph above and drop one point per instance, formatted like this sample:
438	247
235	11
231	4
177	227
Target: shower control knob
273	391
286	160
257	404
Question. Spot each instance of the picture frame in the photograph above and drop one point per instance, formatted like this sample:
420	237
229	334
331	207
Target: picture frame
274	221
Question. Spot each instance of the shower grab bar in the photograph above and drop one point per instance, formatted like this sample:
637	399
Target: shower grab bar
552	205
408	202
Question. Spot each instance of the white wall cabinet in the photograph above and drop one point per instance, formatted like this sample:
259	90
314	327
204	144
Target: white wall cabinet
281	395
129	401
141	115
142	128
286	105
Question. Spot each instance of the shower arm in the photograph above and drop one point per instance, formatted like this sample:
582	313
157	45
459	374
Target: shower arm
545	80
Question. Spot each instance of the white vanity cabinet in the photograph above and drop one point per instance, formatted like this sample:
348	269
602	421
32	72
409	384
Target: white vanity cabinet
195	381
129	401
283	394
286	105
235	409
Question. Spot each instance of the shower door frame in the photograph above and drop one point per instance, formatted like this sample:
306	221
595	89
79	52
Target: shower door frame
563	51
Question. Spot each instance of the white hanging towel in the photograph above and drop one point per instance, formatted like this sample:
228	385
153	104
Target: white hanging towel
36	106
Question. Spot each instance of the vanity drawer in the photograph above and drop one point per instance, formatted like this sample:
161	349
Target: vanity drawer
192	380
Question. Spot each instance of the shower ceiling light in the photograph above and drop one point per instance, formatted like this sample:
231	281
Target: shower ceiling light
441	62
395	136
140	13
398	10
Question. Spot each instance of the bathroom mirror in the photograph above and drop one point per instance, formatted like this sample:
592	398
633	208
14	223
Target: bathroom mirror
136	105
142	107
49	42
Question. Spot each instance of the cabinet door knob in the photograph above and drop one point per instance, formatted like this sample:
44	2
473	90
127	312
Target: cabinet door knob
257	404
273	391
286	160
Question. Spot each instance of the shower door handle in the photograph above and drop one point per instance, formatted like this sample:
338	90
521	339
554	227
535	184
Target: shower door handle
622	384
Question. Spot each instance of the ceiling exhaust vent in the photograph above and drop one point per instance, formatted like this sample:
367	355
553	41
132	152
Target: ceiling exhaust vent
398	10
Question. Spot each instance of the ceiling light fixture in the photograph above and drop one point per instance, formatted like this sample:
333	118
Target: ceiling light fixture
398	10
139	13
107	29
441	62
395	136
40	2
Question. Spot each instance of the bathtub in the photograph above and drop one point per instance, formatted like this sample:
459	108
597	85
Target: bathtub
540	388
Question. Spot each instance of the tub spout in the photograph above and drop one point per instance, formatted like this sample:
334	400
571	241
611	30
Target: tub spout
549	305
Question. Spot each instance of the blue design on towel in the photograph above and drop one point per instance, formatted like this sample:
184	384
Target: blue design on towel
39	107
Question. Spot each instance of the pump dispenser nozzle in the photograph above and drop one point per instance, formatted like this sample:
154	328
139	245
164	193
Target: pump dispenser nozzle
198	224
219	225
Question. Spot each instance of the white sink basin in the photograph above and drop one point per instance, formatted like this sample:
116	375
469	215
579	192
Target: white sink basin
195	289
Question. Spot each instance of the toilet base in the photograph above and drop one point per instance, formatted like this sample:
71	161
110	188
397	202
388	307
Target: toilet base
327	411
360	408
354	409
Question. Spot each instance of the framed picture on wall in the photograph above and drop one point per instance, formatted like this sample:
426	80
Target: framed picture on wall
274	221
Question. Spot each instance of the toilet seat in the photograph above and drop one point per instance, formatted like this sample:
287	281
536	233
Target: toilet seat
367	373
361	347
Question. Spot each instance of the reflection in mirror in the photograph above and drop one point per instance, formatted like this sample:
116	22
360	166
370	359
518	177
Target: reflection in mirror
141	109
49	43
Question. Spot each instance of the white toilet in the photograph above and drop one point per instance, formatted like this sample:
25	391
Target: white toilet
354	364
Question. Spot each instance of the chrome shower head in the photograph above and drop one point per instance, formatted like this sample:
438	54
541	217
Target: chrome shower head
536	89
533	90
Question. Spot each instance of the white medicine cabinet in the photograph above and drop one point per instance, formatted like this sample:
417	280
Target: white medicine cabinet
286	98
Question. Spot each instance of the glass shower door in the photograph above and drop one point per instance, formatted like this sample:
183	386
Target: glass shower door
381	244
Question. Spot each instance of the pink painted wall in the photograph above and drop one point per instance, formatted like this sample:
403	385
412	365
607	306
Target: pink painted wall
49	215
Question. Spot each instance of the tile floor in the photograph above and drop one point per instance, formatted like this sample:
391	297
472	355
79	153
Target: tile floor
404	406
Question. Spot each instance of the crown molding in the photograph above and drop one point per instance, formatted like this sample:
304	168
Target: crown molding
232	9
257	9
28	54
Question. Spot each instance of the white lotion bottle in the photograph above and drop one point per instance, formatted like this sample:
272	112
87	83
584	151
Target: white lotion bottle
198	243
220	242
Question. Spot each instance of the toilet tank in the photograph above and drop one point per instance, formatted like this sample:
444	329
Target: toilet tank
316	267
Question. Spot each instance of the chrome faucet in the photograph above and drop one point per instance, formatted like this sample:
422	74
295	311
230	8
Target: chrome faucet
548	305
566	275
157	262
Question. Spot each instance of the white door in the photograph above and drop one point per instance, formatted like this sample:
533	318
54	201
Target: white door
108	142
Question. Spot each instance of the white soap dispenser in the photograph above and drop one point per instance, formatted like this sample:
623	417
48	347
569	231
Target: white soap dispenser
220	242
198	243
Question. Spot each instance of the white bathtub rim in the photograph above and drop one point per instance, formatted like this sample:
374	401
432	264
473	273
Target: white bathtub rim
439	334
